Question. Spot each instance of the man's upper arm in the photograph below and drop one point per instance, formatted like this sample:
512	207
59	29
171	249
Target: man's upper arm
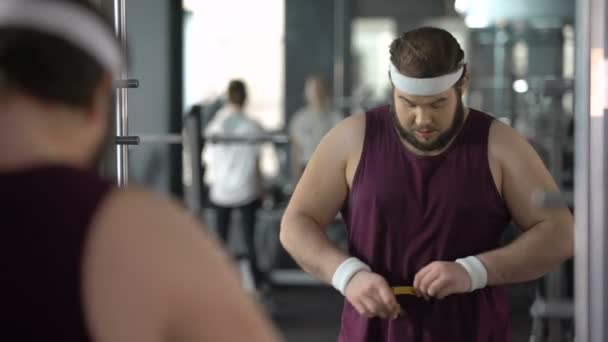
152	272
523	175
322	189
209	296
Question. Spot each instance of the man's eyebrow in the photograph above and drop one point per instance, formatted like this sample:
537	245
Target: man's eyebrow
439	100
443	99
406	100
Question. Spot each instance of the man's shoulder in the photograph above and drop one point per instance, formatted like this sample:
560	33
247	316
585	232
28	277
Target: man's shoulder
349	133
500	132
353	121
135	208
505	142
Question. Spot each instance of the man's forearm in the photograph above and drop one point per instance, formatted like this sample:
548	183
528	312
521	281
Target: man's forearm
308	244
535	253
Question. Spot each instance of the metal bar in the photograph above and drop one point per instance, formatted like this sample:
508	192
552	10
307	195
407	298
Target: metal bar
127	140
130	83
161	138
553	199
294	277
179	139
192	164
597	278
277	139
563	309
590	265
122	119
581	174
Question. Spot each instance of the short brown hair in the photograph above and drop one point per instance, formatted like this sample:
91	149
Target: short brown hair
47	66
237	93
427	52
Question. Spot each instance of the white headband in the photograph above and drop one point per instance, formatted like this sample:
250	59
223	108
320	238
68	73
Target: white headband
424	86
67	21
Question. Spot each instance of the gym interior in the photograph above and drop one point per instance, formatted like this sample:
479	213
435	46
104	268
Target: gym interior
537	66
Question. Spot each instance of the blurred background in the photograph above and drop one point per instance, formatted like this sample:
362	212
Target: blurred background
521	56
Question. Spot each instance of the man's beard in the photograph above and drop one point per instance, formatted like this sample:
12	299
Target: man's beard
442	140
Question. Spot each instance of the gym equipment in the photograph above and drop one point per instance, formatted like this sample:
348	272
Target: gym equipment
552	305
553	200
591	264
214	139
122	127
191	139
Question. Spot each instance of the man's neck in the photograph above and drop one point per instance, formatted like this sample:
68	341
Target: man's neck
437	152
235	108
26	141
319	107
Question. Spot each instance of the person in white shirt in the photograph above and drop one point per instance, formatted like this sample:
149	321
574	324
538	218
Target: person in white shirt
310	124
235	178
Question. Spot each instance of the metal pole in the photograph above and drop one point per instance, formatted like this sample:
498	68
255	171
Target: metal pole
581	175
122	118
193	163
590	175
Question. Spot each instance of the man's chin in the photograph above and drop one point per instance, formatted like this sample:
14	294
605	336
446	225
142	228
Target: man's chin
426	144
427	148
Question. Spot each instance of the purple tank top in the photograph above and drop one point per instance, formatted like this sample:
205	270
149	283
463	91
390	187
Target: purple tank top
46	216
405	211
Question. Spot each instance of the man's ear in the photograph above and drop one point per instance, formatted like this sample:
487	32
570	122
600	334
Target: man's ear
463	84
100	103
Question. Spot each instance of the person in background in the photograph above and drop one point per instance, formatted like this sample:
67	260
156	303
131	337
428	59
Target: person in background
311	123
234	169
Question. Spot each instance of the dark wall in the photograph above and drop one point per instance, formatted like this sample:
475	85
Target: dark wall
408	13
310	37
309	47
545	59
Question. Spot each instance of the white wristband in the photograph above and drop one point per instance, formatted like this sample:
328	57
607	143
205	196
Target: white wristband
476	270
346	271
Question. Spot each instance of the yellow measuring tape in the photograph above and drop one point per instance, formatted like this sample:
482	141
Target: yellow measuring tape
404	290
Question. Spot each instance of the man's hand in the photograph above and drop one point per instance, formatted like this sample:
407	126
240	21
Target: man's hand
440	279
371	296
